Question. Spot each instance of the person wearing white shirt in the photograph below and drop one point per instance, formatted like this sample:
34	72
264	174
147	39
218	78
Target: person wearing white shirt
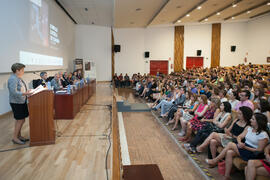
256	139
222	95
232	99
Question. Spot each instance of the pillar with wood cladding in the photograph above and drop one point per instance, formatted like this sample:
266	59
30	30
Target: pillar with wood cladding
215	49
178	48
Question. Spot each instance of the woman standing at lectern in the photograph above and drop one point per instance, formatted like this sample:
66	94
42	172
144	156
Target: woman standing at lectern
18	100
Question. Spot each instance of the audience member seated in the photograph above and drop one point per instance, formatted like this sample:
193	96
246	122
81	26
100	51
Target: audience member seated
195	123
121	80
232	99
222	95
258	94
256	139
126	81
259	166
244	100
165	104
222	139
244	88
116	80
221	119
264	108
248	88
179	101
186	113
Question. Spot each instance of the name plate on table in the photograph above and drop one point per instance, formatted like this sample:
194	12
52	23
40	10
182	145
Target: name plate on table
61	92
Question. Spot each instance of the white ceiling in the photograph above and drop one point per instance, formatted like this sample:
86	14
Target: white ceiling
143	13
100	12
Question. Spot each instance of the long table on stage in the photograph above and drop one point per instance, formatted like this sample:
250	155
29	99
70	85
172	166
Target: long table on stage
66	106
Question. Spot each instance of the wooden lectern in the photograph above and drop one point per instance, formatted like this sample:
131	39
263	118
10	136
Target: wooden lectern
41	118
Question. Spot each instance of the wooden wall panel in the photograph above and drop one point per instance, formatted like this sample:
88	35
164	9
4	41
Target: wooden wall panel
215	49
178	48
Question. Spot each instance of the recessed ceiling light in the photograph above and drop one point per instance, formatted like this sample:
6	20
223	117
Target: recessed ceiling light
233	18
199	7
206	19
131	22
178	7
248	12
187	15
179	21
268	4
138	9
218	13
234	5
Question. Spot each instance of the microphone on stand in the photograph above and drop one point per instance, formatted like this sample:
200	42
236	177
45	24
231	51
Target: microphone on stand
37	74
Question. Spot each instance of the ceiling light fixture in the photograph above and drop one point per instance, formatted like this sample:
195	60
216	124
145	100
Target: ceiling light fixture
86	9
179	21
206	19
268	4
218	13
199	7
234	5
248	12
187	15
233	18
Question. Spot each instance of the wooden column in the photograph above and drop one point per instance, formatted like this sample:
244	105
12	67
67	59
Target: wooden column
112	53
178	48
215	50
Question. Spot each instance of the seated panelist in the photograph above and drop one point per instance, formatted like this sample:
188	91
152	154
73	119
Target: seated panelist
55	82
43	79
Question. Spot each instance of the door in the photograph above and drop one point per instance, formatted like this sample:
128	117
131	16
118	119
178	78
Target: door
194	62
158	66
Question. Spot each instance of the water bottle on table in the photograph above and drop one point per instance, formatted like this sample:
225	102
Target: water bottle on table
69	89
49	85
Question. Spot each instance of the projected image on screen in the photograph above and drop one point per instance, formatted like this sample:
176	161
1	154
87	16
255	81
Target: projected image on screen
29	58
39	22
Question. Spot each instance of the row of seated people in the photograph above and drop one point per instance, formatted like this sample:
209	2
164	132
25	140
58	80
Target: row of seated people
125	81
59	80
226	108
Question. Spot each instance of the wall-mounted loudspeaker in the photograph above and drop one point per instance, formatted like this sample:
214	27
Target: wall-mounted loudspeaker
146	54
116	48
233	48
199	52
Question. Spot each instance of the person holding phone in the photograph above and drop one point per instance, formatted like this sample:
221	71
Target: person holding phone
18	100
